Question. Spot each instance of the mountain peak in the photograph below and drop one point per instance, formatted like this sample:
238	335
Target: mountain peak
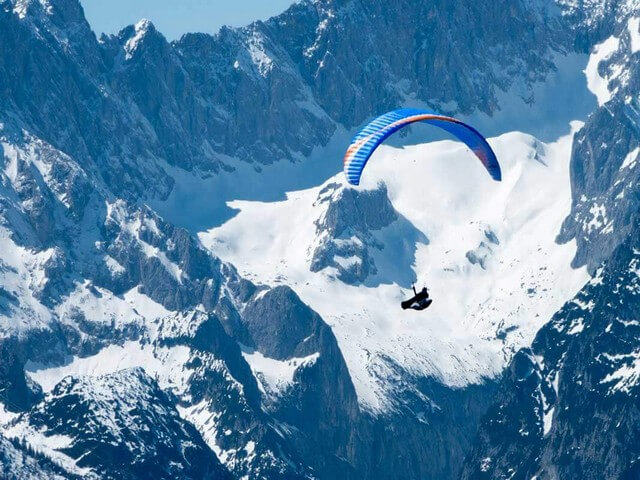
22	8
62	11
135	35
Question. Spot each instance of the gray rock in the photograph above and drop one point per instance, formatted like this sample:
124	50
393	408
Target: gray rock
359	227
567	407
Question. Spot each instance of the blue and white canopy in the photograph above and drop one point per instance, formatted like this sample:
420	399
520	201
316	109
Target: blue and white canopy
373	134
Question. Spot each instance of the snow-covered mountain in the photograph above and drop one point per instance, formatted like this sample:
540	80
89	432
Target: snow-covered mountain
568	406
116	425
189	289
487	252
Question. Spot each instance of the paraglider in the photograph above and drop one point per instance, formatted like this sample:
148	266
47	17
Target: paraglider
419	301
366	141
379	129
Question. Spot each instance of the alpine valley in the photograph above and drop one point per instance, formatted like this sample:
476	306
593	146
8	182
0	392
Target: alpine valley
190	289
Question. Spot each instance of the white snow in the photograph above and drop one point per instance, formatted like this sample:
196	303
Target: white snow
250	447
576	327
144	305
598	219
10	161
584	306
444	192
632	323
258	53
631	159
627	376
21	7
555	381
141	29
153	252
47	444
597	84
5	415
113	265
102	308
117	212
165	364
205	421
275	376
634	33
168	365
320	29
347	262
545	410
547	421
21	276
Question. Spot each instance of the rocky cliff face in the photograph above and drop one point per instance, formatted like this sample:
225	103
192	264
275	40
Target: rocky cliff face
18	461
127	105
567	407
605	154
353	227
118	425
88	272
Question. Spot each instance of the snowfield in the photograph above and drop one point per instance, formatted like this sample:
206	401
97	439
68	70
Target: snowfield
482	312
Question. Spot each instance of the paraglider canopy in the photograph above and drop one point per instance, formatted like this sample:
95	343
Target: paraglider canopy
375	132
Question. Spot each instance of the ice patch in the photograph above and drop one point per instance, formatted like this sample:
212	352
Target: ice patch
152	252
275	376
631	159
141	29
634	33
625	377
547	421
164	364
347	262
597	84
258	54
113	265
576	327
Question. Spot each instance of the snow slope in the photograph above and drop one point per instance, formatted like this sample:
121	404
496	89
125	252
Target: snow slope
481	313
